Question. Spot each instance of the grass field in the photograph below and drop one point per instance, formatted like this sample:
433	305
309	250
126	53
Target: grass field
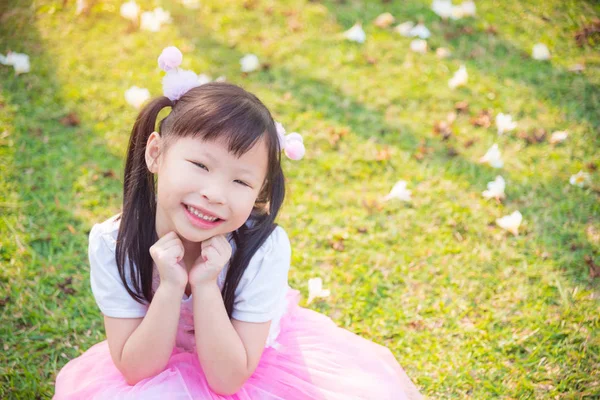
469	310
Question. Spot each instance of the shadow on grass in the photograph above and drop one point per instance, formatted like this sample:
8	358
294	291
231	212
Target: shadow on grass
48	314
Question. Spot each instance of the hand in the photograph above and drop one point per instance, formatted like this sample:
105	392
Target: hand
216	251
167	253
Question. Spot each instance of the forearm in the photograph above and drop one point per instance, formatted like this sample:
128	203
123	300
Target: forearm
149	347
221	352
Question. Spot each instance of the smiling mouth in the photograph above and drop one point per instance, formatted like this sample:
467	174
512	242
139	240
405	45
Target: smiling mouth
204	216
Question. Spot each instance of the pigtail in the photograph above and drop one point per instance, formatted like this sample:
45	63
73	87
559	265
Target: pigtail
250	237
137	231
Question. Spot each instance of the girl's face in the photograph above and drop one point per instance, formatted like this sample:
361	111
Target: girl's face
199	180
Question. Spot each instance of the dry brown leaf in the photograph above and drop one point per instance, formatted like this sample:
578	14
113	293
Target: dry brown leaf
483	119
372	206
383	154
442	128
594	268
462	107
338	245
470	142
371	60
589	33
70	120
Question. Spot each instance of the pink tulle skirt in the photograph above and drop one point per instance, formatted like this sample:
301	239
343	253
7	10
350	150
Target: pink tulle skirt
315	359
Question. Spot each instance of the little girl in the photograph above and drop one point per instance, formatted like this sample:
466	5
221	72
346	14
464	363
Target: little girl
192	275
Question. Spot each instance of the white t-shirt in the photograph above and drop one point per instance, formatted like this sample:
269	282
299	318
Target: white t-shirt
260	296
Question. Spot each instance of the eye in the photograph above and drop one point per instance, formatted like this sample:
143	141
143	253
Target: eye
241	182
199	165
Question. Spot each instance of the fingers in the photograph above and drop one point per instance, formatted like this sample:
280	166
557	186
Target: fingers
169	245
219	243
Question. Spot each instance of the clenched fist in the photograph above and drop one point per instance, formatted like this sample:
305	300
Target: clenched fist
167	253
216	252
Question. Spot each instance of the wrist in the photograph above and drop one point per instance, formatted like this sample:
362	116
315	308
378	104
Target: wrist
204	285
170	288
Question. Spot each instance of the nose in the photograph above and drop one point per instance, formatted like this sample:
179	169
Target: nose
213	192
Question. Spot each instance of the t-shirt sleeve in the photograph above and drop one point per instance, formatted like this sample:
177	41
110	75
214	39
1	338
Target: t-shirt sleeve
108	288
263	286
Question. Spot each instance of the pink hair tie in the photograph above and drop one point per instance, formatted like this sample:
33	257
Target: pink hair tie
292	144
177	81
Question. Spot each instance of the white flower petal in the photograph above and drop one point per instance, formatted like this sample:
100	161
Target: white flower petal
540	52
130	10
419	46
580	179
493	157
443	8
511	222
137	96
191	4
558	136
495	189
421	31
460	78
356	33
249	63
19	61
315	289
399	192
404	28
504	123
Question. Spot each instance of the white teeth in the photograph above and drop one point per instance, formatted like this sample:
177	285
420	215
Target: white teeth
200	215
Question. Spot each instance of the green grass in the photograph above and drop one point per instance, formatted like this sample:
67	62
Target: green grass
469	310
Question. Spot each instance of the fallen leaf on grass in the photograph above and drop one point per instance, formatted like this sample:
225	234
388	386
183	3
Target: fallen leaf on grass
335	135
65	286
537	135
483	119
442	128
470	142
109	173
70	120
372	206
589	33
461	107
338	245
422	151
594	268
383	154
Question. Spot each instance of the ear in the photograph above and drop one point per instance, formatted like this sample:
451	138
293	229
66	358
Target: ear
153	147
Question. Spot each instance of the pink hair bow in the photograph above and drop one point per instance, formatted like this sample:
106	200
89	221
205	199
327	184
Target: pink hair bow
292	144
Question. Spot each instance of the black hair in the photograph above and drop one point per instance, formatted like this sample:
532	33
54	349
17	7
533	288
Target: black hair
213	111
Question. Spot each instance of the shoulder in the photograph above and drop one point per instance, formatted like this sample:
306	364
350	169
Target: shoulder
277	245
103	236
272	258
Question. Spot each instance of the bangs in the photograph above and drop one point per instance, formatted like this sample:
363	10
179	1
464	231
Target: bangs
223	115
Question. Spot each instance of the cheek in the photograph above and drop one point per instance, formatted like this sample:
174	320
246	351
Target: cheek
171	190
